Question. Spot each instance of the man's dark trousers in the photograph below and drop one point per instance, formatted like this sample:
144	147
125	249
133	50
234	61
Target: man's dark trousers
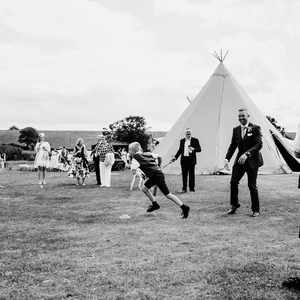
238	171
97	169
188	170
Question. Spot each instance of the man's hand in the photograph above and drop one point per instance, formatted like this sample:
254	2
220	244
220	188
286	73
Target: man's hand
226	164
242	159
191	148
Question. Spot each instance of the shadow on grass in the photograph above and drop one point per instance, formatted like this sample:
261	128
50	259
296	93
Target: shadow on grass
254	280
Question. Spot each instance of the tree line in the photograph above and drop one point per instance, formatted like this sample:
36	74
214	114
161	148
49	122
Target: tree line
129	129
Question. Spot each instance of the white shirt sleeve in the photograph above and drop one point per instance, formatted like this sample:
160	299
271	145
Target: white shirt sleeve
155	156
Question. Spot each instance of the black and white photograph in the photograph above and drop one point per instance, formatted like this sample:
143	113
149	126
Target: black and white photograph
149	149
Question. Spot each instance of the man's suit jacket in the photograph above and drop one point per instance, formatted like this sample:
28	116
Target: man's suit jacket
251	144
93	154
195	144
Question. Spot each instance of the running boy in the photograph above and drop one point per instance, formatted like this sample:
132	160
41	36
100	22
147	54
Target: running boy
154	176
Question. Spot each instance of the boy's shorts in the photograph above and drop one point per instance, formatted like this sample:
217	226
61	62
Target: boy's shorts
159	181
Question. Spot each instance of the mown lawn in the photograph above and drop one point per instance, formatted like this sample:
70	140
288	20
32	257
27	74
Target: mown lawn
68	242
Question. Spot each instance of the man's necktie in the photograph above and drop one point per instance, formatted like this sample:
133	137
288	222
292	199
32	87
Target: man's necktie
244	130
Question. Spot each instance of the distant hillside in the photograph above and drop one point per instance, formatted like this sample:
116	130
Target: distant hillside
61	138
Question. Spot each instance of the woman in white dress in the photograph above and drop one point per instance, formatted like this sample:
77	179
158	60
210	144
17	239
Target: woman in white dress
42	158
107	159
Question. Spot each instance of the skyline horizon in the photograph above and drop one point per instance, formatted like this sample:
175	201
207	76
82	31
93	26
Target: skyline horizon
81	64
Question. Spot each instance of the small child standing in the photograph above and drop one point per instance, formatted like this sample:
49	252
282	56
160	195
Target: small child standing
136	173
154	176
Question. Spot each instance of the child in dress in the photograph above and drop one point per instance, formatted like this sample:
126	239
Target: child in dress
136	173
64	159
42	158
154	176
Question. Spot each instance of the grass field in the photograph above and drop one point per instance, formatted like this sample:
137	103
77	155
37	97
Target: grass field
68	242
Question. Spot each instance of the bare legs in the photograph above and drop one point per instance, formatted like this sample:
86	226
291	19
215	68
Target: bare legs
155	206
170	196
39	174
175	199
148	193
42	176
80	180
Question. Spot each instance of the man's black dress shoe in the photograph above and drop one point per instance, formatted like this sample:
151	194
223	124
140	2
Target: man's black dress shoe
233	209
255	214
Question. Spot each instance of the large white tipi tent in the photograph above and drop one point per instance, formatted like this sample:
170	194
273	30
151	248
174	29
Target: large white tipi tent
211	116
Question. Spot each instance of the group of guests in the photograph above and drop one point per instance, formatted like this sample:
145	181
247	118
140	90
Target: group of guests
77	165
246	137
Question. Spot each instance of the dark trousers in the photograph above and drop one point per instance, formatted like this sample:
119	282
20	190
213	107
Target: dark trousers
97	169
238	171
188	171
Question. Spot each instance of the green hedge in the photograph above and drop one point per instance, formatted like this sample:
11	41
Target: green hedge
12	152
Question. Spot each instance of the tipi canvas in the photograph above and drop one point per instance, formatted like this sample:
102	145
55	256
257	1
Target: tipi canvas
211	116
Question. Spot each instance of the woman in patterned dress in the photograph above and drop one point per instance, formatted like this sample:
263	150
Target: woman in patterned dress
80	168
42	158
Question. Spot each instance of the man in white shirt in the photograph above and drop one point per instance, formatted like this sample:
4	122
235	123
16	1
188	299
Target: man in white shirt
188	148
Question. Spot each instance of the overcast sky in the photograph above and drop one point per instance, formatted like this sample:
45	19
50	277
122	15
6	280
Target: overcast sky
81	64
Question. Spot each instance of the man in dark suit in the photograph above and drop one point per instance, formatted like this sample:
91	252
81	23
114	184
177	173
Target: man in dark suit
248	139
188	148
96	159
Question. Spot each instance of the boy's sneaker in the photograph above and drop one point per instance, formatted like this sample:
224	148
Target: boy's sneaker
185	211
154	206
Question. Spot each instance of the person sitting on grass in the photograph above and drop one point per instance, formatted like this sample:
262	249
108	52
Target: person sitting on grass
155	176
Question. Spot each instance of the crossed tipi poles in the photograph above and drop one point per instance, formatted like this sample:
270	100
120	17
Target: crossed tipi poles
220	57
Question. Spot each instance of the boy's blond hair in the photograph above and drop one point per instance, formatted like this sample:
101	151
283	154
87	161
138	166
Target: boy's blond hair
134	147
